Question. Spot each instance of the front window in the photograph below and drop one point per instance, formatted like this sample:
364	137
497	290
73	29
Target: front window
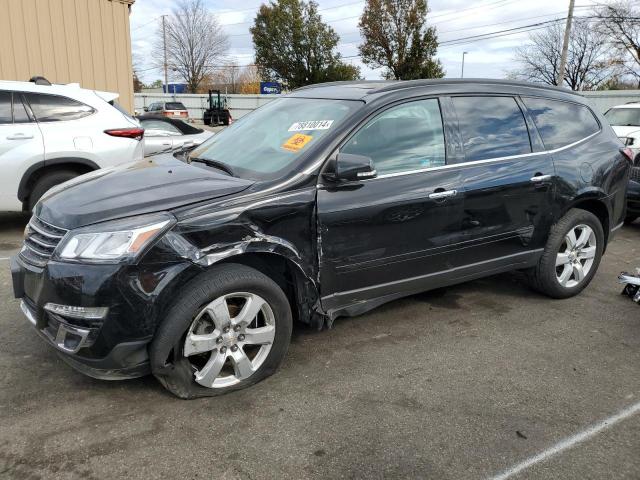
624	117
270	141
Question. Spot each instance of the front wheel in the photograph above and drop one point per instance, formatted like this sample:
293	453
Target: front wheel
571	256
230	329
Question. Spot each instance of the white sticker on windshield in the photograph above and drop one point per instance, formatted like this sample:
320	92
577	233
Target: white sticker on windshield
311	125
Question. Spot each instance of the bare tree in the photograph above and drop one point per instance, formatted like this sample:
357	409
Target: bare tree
620	22
195	43
249	80
588	62
229	76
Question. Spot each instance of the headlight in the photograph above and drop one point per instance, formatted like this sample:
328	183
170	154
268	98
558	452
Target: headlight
113	242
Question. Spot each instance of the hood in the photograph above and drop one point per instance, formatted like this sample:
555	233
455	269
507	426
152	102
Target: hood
624	131
151	185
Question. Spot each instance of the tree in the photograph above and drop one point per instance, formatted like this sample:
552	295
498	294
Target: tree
195	42
588	62
295	47
249	80
228	75
620	22
136	67
396	37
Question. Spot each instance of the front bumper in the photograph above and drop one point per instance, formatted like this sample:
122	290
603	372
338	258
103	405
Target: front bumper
113	347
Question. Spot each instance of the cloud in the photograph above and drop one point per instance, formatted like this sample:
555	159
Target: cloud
454	19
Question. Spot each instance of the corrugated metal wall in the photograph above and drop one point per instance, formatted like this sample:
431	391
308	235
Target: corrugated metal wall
68	41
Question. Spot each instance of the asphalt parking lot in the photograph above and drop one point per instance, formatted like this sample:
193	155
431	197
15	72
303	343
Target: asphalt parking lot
461	383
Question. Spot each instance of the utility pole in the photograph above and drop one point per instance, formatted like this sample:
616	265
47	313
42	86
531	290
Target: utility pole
565	45
164	47
462	73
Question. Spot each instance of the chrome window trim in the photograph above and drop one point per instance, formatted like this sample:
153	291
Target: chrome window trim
487	160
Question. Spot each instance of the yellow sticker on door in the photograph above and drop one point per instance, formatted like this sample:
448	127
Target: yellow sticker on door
296	142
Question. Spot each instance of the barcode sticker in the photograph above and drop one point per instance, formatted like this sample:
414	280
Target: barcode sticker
311	125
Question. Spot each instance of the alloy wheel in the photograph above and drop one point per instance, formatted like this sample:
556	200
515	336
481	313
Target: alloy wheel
576	255
229	339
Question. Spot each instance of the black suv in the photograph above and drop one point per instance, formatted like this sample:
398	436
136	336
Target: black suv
329	201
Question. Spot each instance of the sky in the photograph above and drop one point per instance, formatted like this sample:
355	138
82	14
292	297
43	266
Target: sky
453	19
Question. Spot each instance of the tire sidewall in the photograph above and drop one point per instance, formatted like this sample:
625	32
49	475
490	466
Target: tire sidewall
573	218
47	182
225	279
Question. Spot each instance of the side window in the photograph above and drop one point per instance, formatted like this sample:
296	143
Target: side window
561	123
403	138
5	108
55	108
19	111
491	127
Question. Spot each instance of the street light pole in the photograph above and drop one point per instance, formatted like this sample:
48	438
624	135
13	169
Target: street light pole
462	73
164	47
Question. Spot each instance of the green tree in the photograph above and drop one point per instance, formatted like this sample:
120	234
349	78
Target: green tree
294	46
396	37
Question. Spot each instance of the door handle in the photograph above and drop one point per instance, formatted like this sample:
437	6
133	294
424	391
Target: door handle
541	178
443	194
19	136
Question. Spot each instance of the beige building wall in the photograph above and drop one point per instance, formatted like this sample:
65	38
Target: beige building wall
68	41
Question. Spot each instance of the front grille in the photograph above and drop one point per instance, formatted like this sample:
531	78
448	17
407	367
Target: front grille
40	240
635	174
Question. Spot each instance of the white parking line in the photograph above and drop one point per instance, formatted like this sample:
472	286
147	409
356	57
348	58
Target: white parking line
569	442
4	258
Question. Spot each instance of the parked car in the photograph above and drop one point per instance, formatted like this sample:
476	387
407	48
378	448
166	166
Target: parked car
52	133
633	196
327	202
168	109
166	134
625	120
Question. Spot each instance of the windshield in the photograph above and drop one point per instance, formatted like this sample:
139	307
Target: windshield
270	140
627	117
174	106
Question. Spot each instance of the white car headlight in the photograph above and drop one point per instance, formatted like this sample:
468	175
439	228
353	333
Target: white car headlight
115	241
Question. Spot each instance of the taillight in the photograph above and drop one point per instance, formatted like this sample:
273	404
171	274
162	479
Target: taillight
628	153
134	133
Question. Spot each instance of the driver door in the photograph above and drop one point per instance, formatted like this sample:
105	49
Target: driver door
390	233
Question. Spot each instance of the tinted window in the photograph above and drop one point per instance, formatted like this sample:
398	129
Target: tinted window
174	106
628	117
405	137
160	125
5	107
54	108
491	127
561	123
19	112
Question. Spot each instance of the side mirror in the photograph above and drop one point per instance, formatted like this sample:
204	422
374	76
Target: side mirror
146	109
350	167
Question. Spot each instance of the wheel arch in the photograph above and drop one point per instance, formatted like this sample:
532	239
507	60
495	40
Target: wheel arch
39	169
596	203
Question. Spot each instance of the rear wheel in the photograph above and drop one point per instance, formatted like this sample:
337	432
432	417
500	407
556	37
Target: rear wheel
571	256
48	181
230	329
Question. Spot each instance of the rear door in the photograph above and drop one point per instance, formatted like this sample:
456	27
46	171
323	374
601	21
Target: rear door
388	234
21	147
508	182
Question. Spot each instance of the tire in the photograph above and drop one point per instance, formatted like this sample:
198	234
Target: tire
184	372
48	181
630	219
546	276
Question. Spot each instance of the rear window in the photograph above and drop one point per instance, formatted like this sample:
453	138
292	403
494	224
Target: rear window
624	117
56	108
491	127
561	123
5	108
174	106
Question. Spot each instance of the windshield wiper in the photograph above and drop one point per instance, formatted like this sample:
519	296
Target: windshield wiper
214	164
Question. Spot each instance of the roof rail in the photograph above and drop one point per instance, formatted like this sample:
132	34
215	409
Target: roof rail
39	80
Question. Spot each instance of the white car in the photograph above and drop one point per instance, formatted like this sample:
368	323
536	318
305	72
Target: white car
52	133
625	120
166	134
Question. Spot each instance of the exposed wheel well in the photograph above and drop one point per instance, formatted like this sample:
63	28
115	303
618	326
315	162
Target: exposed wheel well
288	276
599	209
32	177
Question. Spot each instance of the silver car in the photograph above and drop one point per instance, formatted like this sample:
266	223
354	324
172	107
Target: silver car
167	134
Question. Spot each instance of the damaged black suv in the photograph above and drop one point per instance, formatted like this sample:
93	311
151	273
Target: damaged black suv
326	202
